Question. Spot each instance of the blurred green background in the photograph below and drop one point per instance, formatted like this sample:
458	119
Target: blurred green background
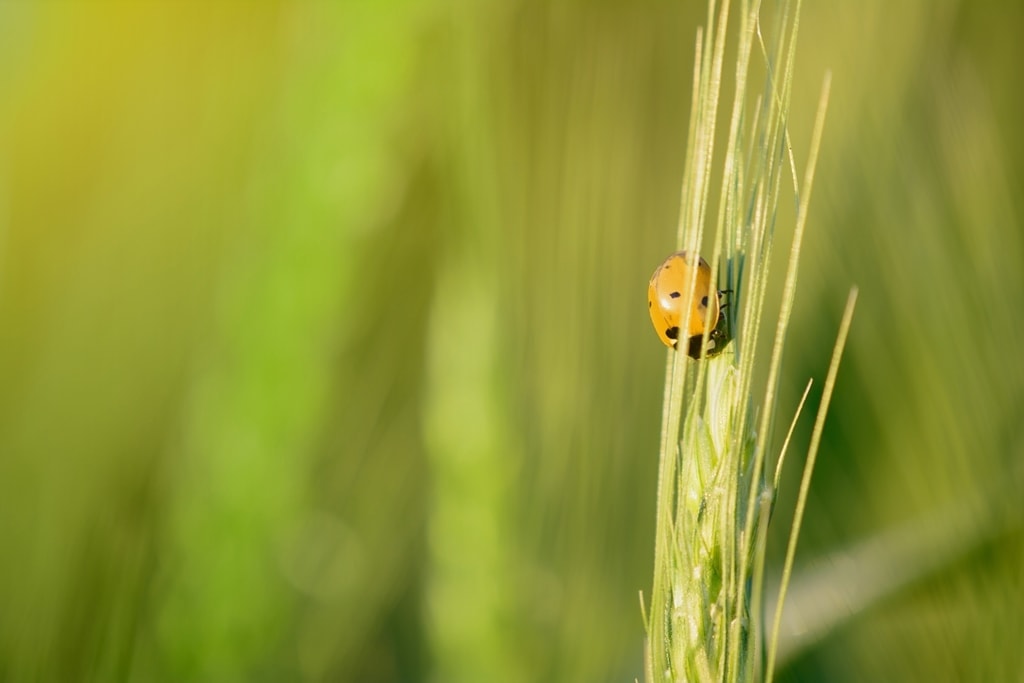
324	353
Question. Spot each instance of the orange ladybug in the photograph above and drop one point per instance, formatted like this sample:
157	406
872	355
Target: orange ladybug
666	306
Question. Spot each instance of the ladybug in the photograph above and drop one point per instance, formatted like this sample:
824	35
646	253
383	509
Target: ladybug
666	306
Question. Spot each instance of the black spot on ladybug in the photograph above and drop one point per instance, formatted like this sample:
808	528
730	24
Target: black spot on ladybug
672	333
704	302
649	304
675	295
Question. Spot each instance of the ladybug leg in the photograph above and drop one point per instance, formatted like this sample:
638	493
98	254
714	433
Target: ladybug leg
723	305
719	337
